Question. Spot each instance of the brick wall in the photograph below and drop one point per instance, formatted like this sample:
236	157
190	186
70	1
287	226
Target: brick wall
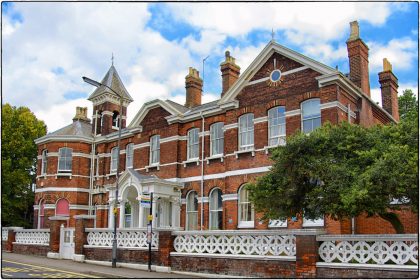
336	273
35	250
123	255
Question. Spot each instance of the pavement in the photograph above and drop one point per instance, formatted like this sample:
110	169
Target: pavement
26	266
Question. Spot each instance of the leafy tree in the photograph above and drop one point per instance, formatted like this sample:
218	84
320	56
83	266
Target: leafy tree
342	171
408	104
20	128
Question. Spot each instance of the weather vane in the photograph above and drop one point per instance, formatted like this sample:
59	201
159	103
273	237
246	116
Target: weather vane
272	34
112	59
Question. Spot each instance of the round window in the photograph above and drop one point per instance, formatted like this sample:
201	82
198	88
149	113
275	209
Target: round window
275	75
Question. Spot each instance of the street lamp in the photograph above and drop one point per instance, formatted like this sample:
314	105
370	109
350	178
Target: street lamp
114	241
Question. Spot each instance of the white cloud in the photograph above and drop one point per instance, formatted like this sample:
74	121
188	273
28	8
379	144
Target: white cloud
376	95
401	52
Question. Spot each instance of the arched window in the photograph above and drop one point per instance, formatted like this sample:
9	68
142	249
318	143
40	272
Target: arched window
44	162
62	207
154	150
65	160
41	214
193	144
114	157
276	126
115	120
128	215
311	115
246	132
216	139
100	122
245	209
216	209
192	211
129	152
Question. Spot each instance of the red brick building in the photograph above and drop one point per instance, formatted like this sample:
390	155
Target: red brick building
196	157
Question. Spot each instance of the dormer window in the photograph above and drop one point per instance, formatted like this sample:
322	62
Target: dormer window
116	120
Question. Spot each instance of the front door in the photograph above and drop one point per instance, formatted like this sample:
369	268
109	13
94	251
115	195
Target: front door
66	243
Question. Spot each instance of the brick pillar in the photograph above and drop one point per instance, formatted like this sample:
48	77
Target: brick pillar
80	236
389	90
306	254
194	88
11	237
55	224
166	245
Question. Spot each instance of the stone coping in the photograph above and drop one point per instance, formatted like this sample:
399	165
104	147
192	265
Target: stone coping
125	248
252	232
79	217
367	237
395	267
59	218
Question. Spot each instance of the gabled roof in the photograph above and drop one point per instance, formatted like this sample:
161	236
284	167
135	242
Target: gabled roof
259	61
173	108
112	80
77	130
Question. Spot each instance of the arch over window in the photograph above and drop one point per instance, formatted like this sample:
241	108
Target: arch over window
216	139
44	162
114	158
245	209
116	119
65	160
311	115
129	155
216	209
154	149
192	211
246	132
41	214
193	144
62	207
276	126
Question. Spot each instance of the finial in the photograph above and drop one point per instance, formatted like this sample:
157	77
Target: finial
112	59
272	34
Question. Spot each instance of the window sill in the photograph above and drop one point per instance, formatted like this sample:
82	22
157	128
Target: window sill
115	127
185	162
154	165
63	175
237	153
219	156
248	224
267	148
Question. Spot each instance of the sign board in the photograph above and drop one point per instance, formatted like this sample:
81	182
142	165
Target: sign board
145	201
149	233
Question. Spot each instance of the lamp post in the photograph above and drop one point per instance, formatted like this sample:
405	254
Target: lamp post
114	241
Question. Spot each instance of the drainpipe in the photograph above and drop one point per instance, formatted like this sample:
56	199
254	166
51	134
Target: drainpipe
92	164
202	171
352	225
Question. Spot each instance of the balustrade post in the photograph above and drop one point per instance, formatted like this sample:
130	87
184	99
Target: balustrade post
55	223
11	237
80	235
166	246
306	254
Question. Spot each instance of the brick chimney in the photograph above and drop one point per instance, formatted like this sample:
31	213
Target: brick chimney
389	90
194	88
81	114
230	72
358	59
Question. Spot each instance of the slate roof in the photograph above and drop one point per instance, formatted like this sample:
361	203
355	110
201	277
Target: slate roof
77	128
139	176
112	80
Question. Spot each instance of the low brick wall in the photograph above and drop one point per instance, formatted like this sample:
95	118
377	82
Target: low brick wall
238	267
36	250
327	272
4	245
123	255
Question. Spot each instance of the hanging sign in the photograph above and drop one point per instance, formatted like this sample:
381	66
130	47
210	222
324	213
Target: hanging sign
145	201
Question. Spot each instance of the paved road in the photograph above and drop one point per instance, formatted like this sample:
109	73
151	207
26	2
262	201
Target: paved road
25	266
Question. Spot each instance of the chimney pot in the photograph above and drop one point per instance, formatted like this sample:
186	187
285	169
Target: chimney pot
354	31
81	114
389	90
387	66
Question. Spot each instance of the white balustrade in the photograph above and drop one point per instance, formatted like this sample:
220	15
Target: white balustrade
245	243
126	238
32	236
401	249
4	234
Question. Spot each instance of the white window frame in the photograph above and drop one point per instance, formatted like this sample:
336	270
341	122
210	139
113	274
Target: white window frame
193	212
129	155
116	120
193	143
246	132
68	160
113	163
39	214
216	139
154	158
273	116
311	118
242	223
44	162
128	204
213	211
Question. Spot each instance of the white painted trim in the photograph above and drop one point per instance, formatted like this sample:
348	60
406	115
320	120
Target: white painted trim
61	189
79	207
230	126
261	120
204	198
229	196
291	113
368	266
231	256
283	74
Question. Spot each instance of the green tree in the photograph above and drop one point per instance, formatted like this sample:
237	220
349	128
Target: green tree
20	128
407	104
342	171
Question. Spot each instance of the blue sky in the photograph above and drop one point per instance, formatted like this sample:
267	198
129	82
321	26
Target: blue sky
48	46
